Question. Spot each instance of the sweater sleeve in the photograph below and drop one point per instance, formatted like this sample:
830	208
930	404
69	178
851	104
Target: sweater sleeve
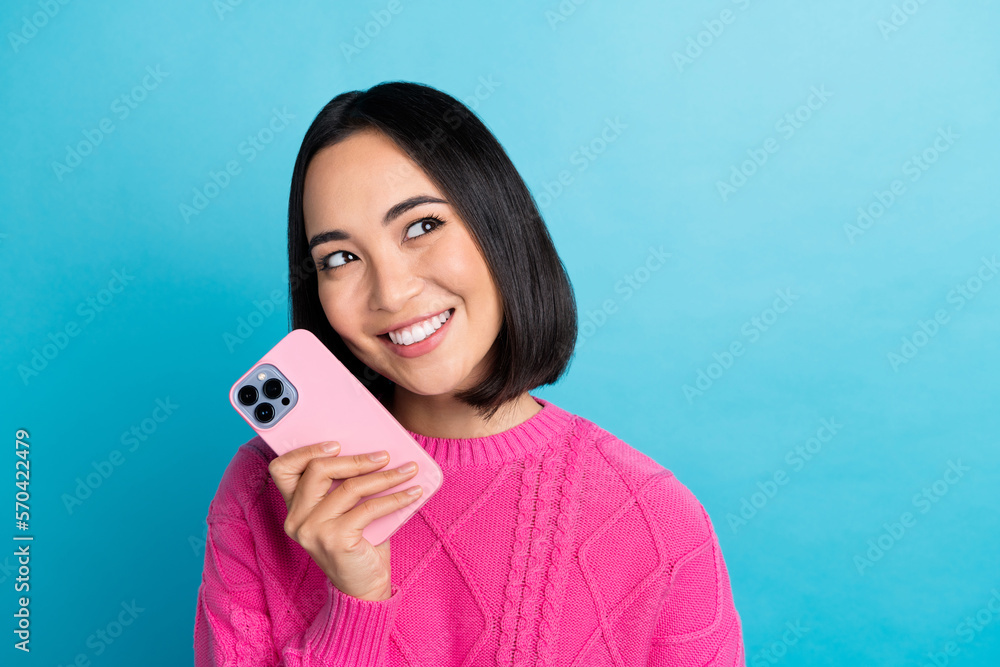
698	623
233	627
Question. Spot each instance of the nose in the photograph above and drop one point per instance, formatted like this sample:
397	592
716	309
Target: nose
394	282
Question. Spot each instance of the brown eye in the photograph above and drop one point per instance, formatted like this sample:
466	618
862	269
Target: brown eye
433	221
324	265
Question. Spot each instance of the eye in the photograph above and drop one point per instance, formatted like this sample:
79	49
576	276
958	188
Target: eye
431	220
325	265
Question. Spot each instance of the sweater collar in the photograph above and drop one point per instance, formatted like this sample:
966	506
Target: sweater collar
511	445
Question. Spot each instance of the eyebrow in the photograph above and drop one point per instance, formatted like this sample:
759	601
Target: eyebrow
390	215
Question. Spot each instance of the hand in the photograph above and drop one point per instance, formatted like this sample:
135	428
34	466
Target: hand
328	525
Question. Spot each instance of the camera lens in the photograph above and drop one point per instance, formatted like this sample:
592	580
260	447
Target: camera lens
248	395
264	412
273	388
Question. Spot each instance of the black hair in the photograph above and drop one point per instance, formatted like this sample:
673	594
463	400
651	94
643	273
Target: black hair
467	163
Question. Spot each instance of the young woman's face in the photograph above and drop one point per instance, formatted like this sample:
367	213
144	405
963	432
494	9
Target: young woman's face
381	263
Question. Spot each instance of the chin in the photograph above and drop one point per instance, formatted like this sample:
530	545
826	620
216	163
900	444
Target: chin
429	388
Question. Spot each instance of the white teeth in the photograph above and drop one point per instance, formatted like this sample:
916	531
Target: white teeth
419	331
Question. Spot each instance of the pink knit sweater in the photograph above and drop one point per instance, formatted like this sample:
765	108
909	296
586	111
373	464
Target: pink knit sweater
550	544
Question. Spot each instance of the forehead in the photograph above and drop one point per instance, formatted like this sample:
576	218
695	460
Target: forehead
359	178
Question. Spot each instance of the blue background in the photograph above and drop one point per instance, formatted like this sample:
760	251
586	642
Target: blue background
546	84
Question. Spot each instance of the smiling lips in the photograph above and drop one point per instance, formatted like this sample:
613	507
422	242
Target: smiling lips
414	341
419	331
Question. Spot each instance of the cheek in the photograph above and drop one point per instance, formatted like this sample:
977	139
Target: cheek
465	272
459	263
338	310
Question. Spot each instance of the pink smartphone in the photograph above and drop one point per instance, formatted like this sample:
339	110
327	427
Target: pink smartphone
300	394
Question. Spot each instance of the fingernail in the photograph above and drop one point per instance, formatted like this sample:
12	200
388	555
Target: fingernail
331	447
415	491
409	467
380	456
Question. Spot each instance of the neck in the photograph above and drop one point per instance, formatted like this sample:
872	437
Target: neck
443	416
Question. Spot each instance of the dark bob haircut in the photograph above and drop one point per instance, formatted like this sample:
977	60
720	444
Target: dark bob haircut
466	162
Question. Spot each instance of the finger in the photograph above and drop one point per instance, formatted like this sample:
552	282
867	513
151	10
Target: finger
286	469
314	483
356	520
348	495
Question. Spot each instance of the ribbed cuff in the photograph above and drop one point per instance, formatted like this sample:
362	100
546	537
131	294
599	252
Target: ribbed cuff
355	632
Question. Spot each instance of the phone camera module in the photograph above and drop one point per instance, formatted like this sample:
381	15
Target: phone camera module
248	395
264	412
273	388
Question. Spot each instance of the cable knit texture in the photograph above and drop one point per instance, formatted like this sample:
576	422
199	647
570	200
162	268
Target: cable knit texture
551	544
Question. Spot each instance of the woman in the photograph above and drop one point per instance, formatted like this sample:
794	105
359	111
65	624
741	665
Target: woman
551	542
